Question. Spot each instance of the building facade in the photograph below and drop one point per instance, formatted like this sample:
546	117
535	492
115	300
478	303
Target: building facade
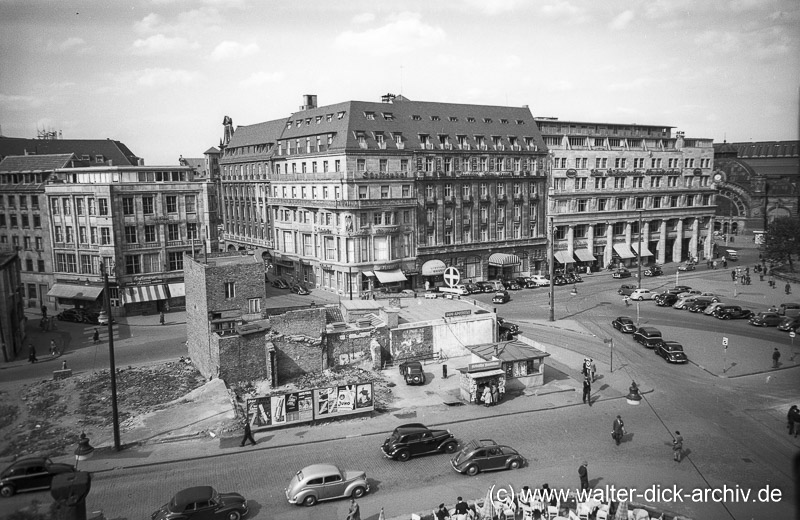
12	314
359	195
616	186
135	223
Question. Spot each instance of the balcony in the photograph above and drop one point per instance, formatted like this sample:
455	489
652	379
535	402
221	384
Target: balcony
448	222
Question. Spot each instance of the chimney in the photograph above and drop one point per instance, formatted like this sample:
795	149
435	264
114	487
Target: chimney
387	98
309	102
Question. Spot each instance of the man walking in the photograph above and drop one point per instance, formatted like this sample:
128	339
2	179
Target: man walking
587	391
96	336
354	513
618	429
677	446
248	434
161	318
776	356
584	475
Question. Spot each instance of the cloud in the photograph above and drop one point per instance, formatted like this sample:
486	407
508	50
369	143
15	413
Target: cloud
70	45
229	49
621	20
157	77
13	102
160	44
406	33
492	7
363	18
150	23
196	21
560	9
262	78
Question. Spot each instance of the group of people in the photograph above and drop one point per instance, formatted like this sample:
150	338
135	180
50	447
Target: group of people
490	395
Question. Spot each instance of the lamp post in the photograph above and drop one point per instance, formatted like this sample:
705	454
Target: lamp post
639	275
84	449
551	268
113	369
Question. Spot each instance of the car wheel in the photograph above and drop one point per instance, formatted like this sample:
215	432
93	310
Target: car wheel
7	491
514	464
450	447
726	317
472	470
234	515
60	317
359	492
641	298
309	501
403	455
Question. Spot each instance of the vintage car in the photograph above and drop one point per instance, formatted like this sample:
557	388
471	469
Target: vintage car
624	324
30	474
77	315
573	278
506	328
202	502
732	312
626	289
501	297
665	299
647	336
766	319
325	482
539	280
410	440
485	455
653	271
280	284
413	372
621	273
642	294
299	289
686	267
671	351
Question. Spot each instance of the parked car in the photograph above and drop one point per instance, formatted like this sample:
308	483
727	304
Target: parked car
665	299
711	295
621	273
684	301
732	312
642	294
690	292
789	324
540	280
678	289
712	309
325	482
501	297
30	474
671	351
653	271
459	290
512	285
573	278
77	316
203	502
699	305
789	309
506	327
626	289
279	284
624	324
299	289
766	319
473	288
410	440
732	254
413	372
559	280
522	282
686	267
485	455
647	336
102	318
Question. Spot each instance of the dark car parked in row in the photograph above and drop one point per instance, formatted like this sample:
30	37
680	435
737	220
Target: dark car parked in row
413	372
621	273
77	315
732	312
501	297
626	289
624	324
279	284
506	328
665	299
299	289
789	324
647	336
671	351
766	319
486	286
30	474
653	271
410	440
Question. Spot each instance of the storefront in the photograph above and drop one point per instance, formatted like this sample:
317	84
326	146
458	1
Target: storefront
144	299
624	253
586	260
177	295
522	364
477	376
503	265
75	295
432	272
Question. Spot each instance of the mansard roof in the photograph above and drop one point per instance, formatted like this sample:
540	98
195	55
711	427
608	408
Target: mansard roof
114	151
35	163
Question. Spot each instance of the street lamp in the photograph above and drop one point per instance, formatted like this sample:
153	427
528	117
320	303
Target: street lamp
551	268
84	449
639	275
113	374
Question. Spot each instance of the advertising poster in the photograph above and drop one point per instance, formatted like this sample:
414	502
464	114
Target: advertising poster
279	409
364	396
346	401
258	412
326	401
299	406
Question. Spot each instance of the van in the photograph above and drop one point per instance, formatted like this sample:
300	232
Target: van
732	254
456	289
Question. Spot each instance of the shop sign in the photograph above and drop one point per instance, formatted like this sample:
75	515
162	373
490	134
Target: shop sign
572	172
143	280
452	314
697	172
482	367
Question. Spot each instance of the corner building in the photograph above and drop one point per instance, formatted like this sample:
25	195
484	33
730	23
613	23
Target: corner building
609	179
363	195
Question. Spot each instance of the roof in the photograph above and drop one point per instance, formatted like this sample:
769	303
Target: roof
114	151
211	150
35	163
191	495
319	470
260	133
514	350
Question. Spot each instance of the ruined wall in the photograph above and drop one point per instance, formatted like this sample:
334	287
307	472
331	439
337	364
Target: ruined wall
354	347
243	358
298	355
307	322
199	340
412	342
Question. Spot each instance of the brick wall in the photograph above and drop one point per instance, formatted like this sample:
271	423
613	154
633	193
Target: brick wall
307	322
198	336
243	358
298	355
412	342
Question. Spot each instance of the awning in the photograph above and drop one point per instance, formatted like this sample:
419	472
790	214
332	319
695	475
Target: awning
393	275
144	293
368	273
624	251
584	255
564	257
503	259
433	268
487	373
176	289
644	251
76	292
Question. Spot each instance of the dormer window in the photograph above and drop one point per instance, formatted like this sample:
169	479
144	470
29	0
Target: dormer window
288	125
453	119
470	120
319	119
504	121
340	115
329	118
370	115
98	159
298	123
487	120
388	116
520	122
416	117
434	118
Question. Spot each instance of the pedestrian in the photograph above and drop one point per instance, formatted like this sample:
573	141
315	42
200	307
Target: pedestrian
585	367
584	475
627	300
618	429
442	512
593	369
64	365
714	264
495	394
587	391
724	263
53	348
677	446
31	353
354	513
248	434
444	371
44	311
788	288
747	270
487	396
461	510
161	318
96	336
776	355
792	417
733	275
708	263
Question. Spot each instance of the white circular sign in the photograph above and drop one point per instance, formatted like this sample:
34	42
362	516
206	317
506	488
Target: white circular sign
791	334
725	341
451	276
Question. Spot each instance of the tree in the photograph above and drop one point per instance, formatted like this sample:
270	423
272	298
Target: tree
783	240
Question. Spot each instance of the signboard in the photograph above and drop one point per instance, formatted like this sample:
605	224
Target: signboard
451	314
451	276
258	412
724	341
486	365
791	334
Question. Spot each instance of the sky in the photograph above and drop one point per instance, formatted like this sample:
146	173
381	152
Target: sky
160	75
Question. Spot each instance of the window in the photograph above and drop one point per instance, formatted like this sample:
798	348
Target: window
25	222
172	204
191	231
254	305
688	163
620	162
151	263
602	204
173	232
102	206
86	264
133	264
673	201
384	192
105	236
91	206
127	206
39	241
619	183
638	182
361	165
638	162
580	183
583	204
13	220
601	162
58	234
655	181
656	202
620	204
618	228
672	181
69	237
147	205
54	203
79	206
176	261
687	182
83	238
130	234
599	183
639	202
230	289
655	162
67	206
560	184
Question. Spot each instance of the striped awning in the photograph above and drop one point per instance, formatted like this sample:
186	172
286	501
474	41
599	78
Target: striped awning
393	275
143	293
644	252
433	268
503	259
584	255
564	257
624	251
75	292
177	289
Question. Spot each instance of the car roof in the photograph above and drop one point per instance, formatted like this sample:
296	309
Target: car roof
624	318
319	470
192	495
649	330
671	343
28	461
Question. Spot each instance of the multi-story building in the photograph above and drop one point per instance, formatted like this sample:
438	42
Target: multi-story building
608	179
363	194
12	314
136	222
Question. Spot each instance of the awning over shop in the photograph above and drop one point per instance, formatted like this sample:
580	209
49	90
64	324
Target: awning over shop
144	293
564	257
433	268
624	251
368	273
76	292
584	255
393	275
487	373
503	259
644	252
176	289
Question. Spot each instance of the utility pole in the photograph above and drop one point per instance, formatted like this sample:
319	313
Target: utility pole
551	267
114	411
639	275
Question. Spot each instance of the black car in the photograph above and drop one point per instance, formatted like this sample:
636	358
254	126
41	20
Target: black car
299	289
410	440
573	278
413	372
671	351
523	282
559	280
203	502
473	288
647	336
30	474
512	285
653	271
732	312
485	455
279	284
486	286
699	305
621	273
626	289
665	299
624	324
77	315
501	297
506	328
